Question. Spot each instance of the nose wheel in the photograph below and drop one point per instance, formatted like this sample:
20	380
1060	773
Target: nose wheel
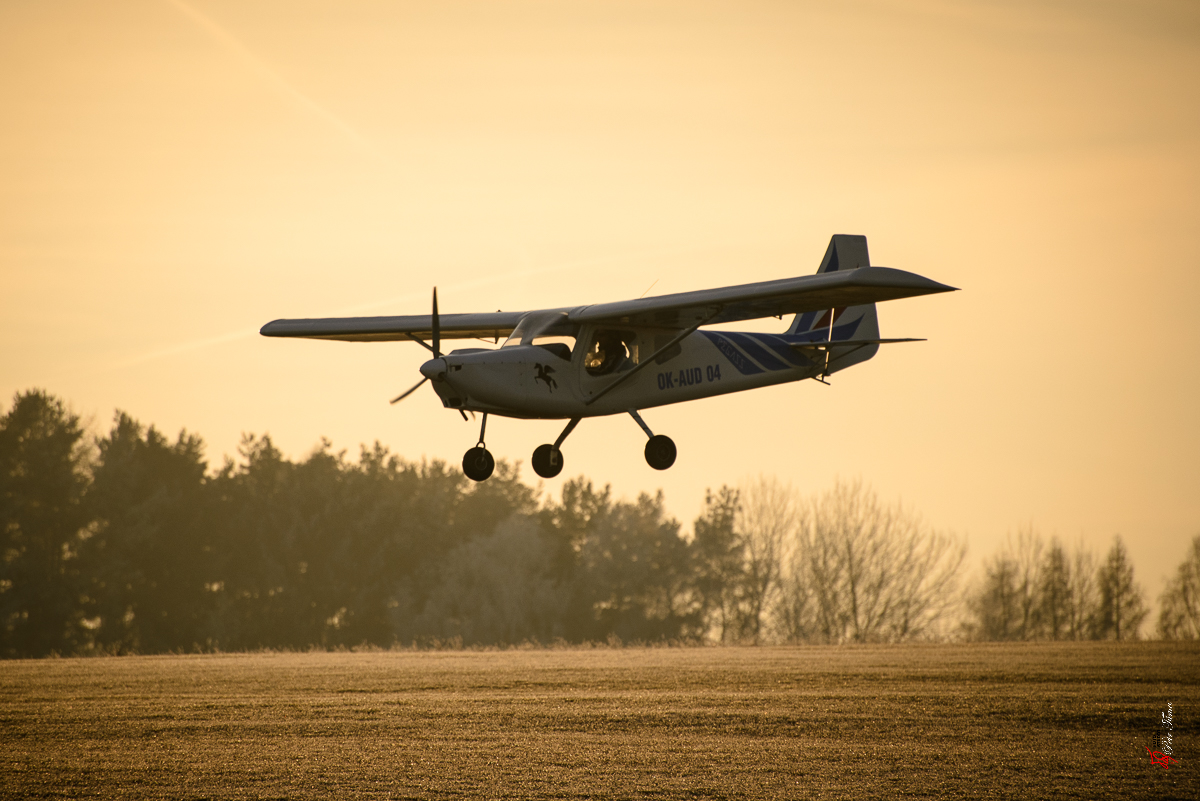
478	464
547	461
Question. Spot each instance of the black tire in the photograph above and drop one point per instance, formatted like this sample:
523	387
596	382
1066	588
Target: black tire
660	452
478	464
547	461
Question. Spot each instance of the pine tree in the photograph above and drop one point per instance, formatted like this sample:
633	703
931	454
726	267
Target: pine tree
1122	607
43	477
1180	615
1054	596
717	555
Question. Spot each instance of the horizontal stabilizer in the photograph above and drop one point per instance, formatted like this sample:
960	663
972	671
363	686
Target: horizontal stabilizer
823	344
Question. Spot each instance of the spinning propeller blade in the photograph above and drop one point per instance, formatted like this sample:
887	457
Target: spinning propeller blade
437	352
414	388
437	329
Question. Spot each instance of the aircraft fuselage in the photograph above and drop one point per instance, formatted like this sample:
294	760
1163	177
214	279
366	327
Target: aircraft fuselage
532	381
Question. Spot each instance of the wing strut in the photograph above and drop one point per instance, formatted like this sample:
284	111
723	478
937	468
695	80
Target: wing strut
420	342
649	359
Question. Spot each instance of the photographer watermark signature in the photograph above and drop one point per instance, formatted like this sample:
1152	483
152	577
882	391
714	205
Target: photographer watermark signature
1163	748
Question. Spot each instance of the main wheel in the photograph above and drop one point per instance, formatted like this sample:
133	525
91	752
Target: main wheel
547	461
660	452
478	464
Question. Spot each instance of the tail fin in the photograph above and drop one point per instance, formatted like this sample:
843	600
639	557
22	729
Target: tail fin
845	252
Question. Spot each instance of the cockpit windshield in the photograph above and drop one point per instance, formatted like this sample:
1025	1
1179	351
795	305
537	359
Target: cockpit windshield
549	330
537	324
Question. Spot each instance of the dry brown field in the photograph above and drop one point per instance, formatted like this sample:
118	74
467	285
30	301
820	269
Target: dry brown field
1034	720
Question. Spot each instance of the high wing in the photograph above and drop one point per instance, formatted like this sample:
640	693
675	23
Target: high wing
678	311
765	299
486	325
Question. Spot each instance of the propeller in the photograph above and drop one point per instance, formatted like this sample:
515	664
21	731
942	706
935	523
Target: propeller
437	328
437	353
410	391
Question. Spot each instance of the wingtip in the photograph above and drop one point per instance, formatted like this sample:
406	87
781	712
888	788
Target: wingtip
901	277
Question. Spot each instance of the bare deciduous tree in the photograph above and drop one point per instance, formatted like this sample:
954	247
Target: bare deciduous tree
1026	595
1081	610
868	572
1179	618
1009	604
994	607
927	581
497	589
765	524
795	609
1028	559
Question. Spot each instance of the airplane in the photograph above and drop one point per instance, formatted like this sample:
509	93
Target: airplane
620	358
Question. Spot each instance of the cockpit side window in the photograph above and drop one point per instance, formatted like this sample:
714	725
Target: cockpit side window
610	351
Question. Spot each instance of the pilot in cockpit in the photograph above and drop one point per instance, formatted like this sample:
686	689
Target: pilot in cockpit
606	353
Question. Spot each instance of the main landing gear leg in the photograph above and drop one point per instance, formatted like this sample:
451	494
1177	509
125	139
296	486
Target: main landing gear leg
478	464
547	459
660	450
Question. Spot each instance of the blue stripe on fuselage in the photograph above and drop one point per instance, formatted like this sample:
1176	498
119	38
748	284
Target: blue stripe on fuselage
779	344
738	359
746	351
756	351
844	331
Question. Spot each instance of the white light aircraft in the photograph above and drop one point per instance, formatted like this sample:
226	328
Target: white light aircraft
619	358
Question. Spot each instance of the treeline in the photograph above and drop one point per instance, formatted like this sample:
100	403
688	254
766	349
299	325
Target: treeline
128	542
1034	590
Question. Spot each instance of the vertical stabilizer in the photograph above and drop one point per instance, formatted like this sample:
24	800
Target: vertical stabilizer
845	252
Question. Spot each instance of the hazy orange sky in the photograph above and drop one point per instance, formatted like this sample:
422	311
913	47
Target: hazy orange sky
175	173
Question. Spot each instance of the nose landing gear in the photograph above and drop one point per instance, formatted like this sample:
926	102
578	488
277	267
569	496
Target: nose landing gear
548	459
477	463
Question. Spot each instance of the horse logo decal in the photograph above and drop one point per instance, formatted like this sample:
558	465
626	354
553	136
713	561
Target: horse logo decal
543	374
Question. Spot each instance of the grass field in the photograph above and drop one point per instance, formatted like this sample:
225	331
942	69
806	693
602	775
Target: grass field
927	721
